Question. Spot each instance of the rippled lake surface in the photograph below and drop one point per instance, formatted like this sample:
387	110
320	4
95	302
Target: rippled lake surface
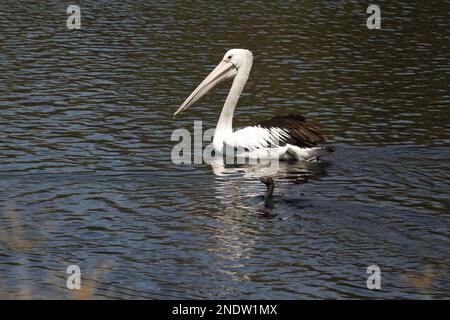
86	176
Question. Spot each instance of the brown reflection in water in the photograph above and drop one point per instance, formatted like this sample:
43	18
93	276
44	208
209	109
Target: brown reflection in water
425	279
16	238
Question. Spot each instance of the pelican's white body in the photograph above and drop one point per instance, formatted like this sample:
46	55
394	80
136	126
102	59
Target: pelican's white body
250	142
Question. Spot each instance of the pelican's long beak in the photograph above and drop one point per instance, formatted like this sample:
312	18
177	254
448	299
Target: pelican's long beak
223	71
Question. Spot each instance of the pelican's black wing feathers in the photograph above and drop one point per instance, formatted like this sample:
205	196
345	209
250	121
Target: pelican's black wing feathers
297	131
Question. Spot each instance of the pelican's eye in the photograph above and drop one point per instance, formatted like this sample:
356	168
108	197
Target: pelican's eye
229	57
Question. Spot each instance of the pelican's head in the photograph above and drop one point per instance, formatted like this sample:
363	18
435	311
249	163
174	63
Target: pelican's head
228	68
238	57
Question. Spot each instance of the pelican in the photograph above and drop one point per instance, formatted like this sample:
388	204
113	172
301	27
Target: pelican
284	137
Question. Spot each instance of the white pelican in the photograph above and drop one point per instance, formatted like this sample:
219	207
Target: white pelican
285	137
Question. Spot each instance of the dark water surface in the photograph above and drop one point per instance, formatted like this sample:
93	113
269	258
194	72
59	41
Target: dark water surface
86	176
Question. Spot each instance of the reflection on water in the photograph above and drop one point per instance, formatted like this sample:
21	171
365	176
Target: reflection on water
86	176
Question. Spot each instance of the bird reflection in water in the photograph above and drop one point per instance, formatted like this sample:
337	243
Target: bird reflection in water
268	201
238	185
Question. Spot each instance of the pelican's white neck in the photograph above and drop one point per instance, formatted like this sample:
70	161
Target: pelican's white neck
225	123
